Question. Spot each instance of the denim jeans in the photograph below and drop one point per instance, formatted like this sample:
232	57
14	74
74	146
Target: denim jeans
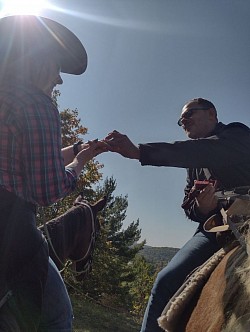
57	314
194	253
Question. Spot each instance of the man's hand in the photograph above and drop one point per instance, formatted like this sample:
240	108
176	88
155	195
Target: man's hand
206	200
121	144
89	150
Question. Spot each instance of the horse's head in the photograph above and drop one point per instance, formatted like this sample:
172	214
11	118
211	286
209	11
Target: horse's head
73	234
83	253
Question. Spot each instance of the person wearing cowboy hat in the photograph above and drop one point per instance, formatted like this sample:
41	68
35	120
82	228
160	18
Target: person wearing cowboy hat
218	157
34	169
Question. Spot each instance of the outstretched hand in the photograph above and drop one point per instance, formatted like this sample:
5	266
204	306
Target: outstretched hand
121	144
92	149
88	151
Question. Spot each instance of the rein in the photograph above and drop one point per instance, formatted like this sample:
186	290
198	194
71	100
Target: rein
87	265
91	243
92	237
5	298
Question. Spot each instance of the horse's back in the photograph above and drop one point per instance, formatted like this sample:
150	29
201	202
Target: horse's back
207	310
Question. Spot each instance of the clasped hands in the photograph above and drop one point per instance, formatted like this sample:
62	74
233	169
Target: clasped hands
114	142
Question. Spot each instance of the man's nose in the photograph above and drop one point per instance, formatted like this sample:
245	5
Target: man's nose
184	121
59	80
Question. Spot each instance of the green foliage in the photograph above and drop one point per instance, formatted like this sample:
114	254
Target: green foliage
93	317
158	256
116	249
140	287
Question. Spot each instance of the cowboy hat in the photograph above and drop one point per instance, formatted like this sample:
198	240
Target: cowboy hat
28	35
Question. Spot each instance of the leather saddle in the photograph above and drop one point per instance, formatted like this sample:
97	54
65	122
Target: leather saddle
235	216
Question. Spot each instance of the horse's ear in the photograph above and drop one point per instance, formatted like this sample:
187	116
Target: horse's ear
99	205
80	199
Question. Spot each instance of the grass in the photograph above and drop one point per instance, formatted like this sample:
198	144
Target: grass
92	317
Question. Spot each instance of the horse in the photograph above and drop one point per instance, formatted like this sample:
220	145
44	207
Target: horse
216	297
72	235
224	303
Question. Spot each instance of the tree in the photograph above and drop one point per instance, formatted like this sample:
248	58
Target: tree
113	269
116	268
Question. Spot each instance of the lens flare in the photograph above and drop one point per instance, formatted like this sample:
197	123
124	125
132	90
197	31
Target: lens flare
23	7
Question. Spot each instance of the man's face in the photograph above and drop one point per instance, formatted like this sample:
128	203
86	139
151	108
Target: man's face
53	79
197	121
48	76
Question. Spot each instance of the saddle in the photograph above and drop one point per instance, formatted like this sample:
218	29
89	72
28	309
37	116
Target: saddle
193	283
234	219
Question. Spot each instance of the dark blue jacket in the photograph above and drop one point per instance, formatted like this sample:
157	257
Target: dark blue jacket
223	156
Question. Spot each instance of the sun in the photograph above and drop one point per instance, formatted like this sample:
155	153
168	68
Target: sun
22	7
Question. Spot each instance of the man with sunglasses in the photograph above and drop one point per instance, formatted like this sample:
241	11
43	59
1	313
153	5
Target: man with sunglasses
215	152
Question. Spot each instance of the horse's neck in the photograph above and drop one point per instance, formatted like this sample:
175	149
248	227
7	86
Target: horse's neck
73	221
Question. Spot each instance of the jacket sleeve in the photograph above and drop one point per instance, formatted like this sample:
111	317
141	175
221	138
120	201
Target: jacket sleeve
211	152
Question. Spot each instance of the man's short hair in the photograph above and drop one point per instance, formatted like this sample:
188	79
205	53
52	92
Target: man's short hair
203	102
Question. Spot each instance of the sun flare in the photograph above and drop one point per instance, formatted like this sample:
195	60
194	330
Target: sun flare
22	7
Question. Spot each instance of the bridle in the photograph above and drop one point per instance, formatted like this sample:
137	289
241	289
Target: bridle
5	298
90	250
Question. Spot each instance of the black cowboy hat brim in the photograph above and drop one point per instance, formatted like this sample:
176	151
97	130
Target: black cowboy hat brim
25	34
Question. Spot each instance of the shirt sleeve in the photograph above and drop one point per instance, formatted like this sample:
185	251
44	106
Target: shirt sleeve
47	179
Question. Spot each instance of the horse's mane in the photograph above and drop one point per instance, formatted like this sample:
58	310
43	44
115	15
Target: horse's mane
192	285
62	230
236	297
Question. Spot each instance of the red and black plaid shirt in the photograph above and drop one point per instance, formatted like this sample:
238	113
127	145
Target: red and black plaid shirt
31	163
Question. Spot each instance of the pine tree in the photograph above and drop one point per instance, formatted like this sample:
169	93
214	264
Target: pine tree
113	269
116	266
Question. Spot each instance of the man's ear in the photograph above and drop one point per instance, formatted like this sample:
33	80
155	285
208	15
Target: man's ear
212	114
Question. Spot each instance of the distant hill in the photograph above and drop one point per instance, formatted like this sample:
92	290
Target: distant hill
158	256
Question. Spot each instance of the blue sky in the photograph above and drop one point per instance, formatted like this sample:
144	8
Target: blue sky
146	59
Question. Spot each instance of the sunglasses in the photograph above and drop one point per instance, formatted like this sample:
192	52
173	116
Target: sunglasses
189	113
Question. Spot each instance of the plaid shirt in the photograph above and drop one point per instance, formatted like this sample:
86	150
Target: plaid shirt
31	163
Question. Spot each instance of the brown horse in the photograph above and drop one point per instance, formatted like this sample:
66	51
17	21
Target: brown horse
223	304
72	235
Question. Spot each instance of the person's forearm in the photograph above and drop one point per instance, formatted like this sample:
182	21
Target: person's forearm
86	152
68	154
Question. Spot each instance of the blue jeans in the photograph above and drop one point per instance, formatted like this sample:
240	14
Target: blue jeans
57	314
194	253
